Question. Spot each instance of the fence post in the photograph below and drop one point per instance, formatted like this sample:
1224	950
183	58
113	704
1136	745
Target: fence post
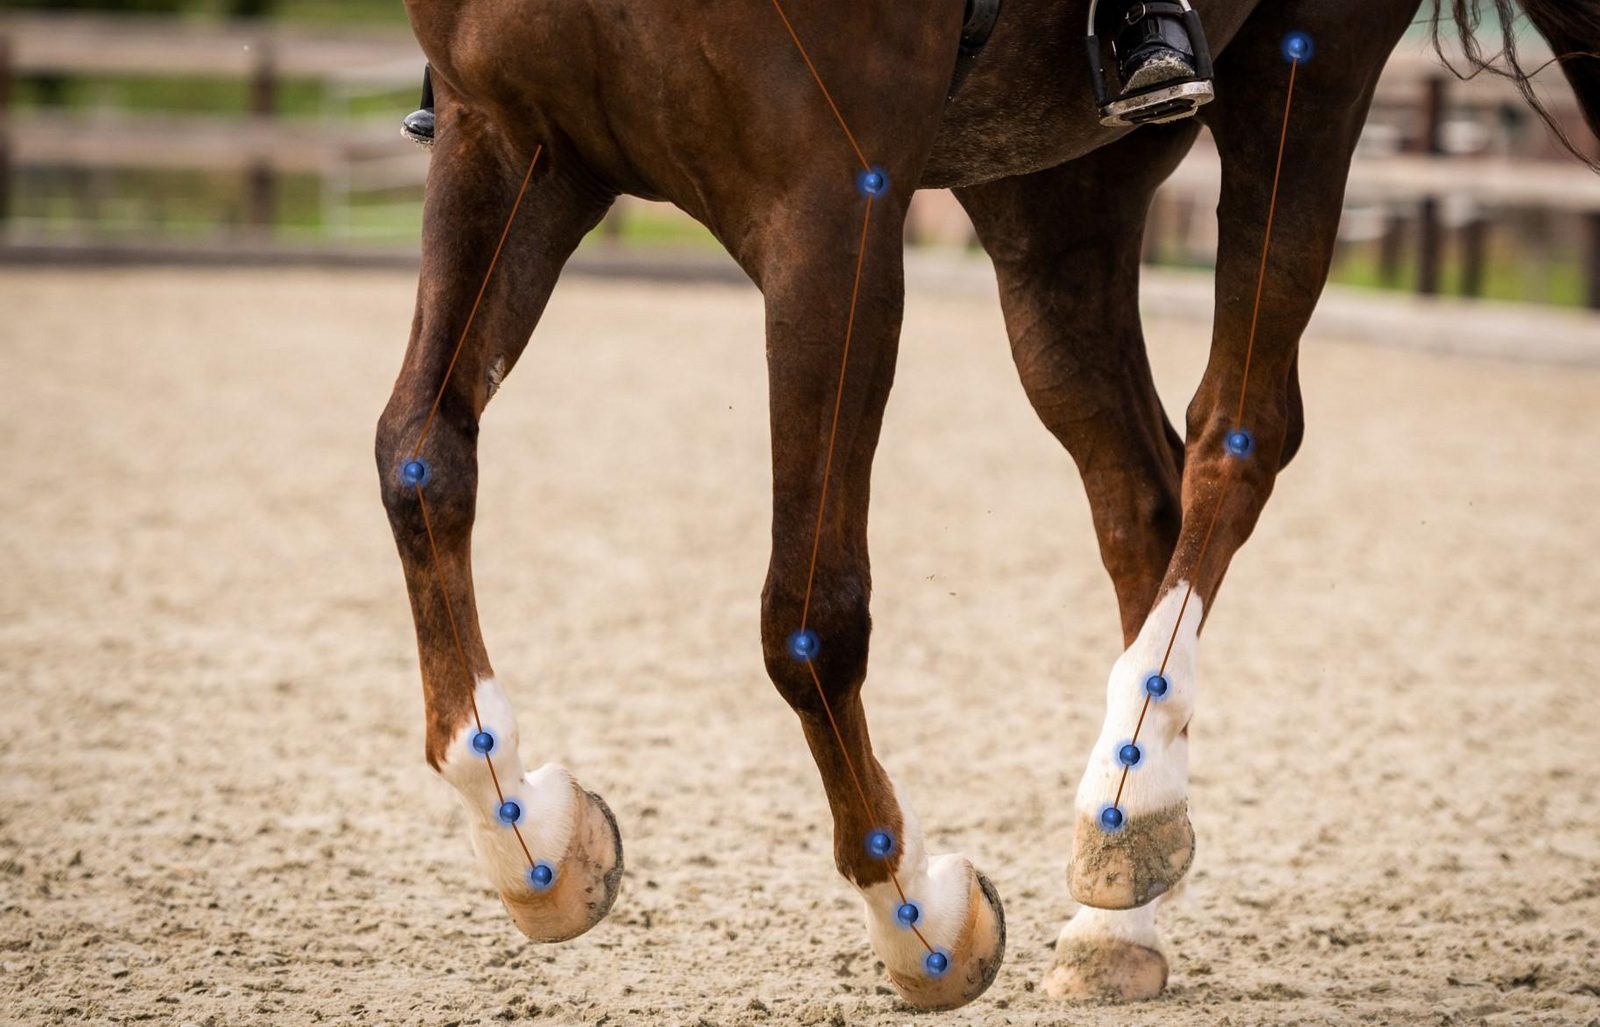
1474	236
1592	261
1430	239
1390	247
261	185
7	78
1430	243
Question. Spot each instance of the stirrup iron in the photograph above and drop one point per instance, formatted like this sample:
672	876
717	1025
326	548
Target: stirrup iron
1171	100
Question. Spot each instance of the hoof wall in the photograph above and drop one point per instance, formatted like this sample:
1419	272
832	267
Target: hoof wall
974	960
1133	865
587	879
1105	971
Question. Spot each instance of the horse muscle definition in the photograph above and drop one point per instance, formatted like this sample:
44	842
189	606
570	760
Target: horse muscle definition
550	109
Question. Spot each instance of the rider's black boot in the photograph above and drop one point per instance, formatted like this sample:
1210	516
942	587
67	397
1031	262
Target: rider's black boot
418	125
1163	68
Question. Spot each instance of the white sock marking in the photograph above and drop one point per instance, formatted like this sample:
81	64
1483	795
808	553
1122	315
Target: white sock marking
546	795
1160	780
940	887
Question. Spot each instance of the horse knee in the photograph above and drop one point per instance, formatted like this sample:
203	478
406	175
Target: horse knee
445	466
829	656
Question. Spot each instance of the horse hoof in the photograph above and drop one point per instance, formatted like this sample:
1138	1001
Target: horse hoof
970	962
1106	970
1136	863
584	884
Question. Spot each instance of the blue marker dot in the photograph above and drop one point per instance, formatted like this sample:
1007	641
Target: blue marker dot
908	914
1298	47
873	182
1111	818
509	812
1240	442
936	963
880	843
483	743
1155	686
1129	755
542	876
415	472
803	645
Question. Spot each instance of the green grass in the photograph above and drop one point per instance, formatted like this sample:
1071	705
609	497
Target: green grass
1509	275
222	96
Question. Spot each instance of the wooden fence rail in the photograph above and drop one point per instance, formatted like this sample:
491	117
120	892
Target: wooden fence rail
261	147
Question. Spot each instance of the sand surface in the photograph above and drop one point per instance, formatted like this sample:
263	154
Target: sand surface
213	803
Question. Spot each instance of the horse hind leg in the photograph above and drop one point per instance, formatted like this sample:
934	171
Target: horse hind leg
550	849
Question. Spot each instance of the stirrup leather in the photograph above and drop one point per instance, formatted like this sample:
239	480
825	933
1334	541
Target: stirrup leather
1171	100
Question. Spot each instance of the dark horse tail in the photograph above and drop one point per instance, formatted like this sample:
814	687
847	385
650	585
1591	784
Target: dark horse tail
1572	28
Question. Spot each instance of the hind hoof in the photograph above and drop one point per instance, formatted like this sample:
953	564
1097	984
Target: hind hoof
1105	971
972	958
1133	865
586	880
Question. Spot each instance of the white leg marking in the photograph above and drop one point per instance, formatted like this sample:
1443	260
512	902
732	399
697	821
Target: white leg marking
547	796
1160	780
941	888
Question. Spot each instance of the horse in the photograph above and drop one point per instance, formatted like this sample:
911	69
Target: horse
796	131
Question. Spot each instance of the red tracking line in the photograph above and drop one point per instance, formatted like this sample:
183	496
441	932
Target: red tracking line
1244	385
427	425
825	94
838	404
422	503
827	467
1266	242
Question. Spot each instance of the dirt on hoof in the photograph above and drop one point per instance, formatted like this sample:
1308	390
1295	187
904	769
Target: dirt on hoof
1133	865
1105	971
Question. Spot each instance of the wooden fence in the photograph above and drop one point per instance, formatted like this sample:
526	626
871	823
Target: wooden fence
1413	174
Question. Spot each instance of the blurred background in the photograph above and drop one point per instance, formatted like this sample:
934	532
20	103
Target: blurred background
268	129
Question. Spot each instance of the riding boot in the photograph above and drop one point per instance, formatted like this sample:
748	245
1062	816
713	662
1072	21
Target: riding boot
418	125
1163	72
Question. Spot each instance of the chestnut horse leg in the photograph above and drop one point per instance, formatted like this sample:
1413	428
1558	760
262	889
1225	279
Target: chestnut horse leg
1066	247
832	278
1133	840
549	848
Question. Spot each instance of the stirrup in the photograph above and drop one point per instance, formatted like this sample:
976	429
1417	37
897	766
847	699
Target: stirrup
1172	100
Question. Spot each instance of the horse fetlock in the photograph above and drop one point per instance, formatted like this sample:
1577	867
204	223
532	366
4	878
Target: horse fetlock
550	849
938	924
1133	839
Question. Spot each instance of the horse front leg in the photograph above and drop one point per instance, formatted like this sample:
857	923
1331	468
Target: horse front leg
550	849
1134	841
834	296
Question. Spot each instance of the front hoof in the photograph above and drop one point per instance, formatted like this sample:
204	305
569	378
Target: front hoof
584	885
1107	970
969	964
1134	864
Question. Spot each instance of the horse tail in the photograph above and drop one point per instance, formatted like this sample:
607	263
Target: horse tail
1572	28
